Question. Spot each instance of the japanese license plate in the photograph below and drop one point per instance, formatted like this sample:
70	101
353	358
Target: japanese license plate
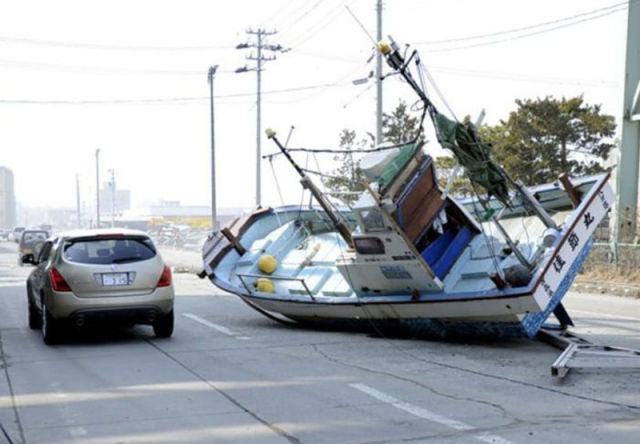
112	279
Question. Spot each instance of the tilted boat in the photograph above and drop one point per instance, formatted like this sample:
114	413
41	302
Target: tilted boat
409	251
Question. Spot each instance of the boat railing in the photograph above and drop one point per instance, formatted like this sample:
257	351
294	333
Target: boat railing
242	277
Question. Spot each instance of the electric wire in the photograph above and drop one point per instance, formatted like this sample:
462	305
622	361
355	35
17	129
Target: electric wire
106	47
164	100
521	36
522	28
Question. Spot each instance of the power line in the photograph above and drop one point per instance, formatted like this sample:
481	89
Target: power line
320	24
260	45
341	82
98	70
167	99
523	28
521	36
301	17
106	47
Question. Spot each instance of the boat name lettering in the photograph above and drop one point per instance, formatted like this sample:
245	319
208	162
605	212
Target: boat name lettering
603	199
573	240
588	219
547	288
558	263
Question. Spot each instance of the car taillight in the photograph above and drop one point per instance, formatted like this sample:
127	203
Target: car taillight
165	277
57	281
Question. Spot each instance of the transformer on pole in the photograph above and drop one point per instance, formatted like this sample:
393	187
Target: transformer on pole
260	45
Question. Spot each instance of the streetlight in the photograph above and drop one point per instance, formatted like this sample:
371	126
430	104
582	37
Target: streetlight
98	188
214	222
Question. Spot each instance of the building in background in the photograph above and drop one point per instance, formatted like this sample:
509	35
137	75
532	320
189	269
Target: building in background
7	199
173	212
113	201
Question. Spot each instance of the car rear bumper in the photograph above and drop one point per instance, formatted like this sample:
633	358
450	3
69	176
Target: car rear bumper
130	315
66	304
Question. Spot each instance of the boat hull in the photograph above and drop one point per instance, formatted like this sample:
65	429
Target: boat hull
522	309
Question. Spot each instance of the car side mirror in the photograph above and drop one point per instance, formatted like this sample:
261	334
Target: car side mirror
29	259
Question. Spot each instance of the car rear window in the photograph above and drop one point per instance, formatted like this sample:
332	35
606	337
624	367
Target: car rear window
34	236
109	251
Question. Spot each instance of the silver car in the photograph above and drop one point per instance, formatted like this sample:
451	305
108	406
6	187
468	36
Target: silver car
87	276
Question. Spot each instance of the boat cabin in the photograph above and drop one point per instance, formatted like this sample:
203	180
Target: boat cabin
409	236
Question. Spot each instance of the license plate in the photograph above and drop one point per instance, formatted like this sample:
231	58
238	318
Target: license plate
112	279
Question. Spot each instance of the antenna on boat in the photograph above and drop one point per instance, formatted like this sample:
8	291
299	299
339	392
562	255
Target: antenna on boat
337	221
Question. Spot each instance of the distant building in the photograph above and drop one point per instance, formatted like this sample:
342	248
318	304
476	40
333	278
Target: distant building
110	201
174	212
7	199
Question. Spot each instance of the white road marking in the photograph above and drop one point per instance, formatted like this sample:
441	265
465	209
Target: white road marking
421	412
604	315
12	284
220	328
77	431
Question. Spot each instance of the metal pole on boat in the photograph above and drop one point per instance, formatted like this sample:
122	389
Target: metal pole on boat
340	225
214	219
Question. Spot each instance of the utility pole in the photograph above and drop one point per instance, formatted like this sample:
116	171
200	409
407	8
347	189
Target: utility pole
260	45
113	196
78	200
379	75
98	188
627	187
214	219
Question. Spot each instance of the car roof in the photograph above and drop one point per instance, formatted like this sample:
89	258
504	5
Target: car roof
74	234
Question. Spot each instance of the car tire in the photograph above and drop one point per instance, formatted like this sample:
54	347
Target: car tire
163	326
49	326
35	318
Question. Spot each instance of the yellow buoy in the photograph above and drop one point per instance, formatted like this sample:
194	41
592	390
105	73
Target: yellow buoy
267	263
265	285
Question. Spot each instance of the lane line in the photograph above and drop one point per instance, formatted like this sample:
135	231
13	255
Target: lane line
217	327
605	315
423	413
12	284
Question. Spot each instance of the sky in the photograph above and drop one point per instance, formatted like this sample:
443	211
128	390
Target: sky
130	78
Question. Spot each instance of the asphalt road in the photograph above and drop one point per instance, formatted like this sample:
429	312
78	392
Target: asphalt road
230	375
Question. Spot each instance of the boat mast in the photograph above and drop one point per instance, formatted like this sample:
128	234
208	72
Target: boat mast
396	60
307	183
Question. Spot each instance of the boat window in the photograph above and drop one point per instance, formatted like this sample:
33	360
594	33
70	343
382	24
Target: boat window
368	245
372	220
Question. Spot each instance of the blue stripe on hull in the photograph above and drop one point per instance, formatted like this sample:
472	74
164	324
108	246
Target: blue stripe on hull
532	322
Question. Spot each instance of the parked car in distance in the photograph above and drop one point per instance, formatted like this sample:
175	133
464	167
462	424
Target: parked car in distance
15	234
4	234
89	276
30	243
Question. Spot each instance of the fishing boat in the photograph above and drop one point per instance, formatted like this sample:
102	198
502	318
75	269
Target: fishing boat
407	250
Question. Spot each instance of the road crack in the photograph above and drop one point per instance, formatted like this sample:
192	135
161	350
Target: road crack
498	407
505	379
5	367
272	427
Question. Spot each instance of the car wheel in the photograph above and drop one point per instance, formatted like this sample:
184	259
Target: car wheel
49	326
163	327
35	319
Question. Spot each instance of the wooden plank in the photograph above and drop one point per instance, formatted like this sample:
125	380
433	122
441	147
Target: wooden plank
233	240
573	193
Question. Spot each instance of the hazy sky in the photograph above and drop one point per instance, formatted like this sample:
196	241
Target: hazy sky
92	52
